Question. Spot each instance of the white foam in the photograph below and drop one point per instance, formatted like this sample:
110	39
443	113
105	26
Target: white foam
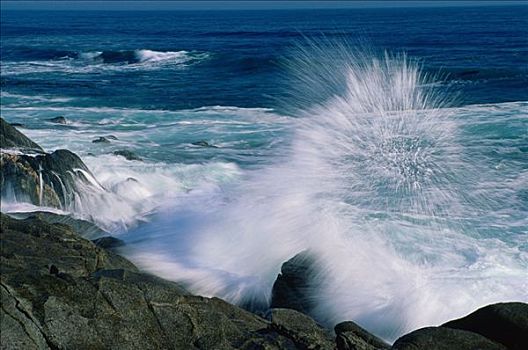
160	56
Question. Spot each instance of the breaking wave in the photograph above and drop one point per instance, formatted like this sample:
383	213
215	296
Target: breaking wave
382	183
96	61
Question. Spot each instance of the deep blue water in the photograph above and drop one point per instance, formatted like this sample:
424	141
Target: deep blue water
482	50
411	190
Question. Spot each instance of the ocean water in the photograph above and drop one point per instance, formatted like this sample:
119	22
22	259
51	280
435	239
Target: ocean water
392	143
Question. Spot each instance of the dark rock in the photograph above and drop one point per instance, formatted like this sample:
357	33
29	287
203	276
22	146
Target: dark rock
101	139
350	336
298	279
45	179
203	143
505	323
111	137
85	228
129	155
108	242
59	120
442	338
303	331
10	137
60	291
17	124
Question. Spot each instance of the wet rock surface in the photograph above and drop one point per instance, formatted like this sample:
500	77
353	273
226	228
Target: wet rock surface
293	287
128	155
203	143
10	137
45	179
36	177
101	139
59	120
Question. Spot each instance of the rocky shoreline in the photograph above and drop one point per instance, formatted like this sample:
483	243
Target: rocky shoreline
62	291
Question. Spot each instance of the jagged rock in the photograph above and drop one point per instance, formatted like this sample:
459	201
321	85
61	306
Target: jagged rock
45	179
304	331
350	336
203	143
443	338
505	323
59	120
60	291
101	139
129	155
10	137
293	287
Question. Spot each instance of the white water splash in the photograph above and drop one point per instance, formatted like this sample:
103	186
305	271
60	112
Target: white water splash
377	184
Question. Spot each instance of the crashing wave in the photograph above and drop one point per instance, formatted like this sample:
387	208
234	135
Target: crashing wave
95	61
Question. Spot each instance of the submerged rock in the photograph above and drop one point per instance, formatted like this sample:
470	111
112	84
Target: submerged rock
441	338
129	155
505	323
296	282
350	336
101	139
203	143
10	137
59	120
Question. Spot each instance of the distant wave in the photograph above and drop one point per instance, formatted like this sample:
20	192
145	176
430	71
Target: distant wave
95	61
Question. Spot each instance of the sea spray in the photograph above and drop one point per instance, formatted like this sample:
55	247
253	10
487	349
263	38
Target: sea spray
376	182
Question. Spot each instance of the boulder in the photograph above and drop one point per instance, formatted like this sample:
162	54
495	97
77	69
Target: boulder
46	179
442	338
10	137
59	120
293	287
505	323
350	336
129	155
